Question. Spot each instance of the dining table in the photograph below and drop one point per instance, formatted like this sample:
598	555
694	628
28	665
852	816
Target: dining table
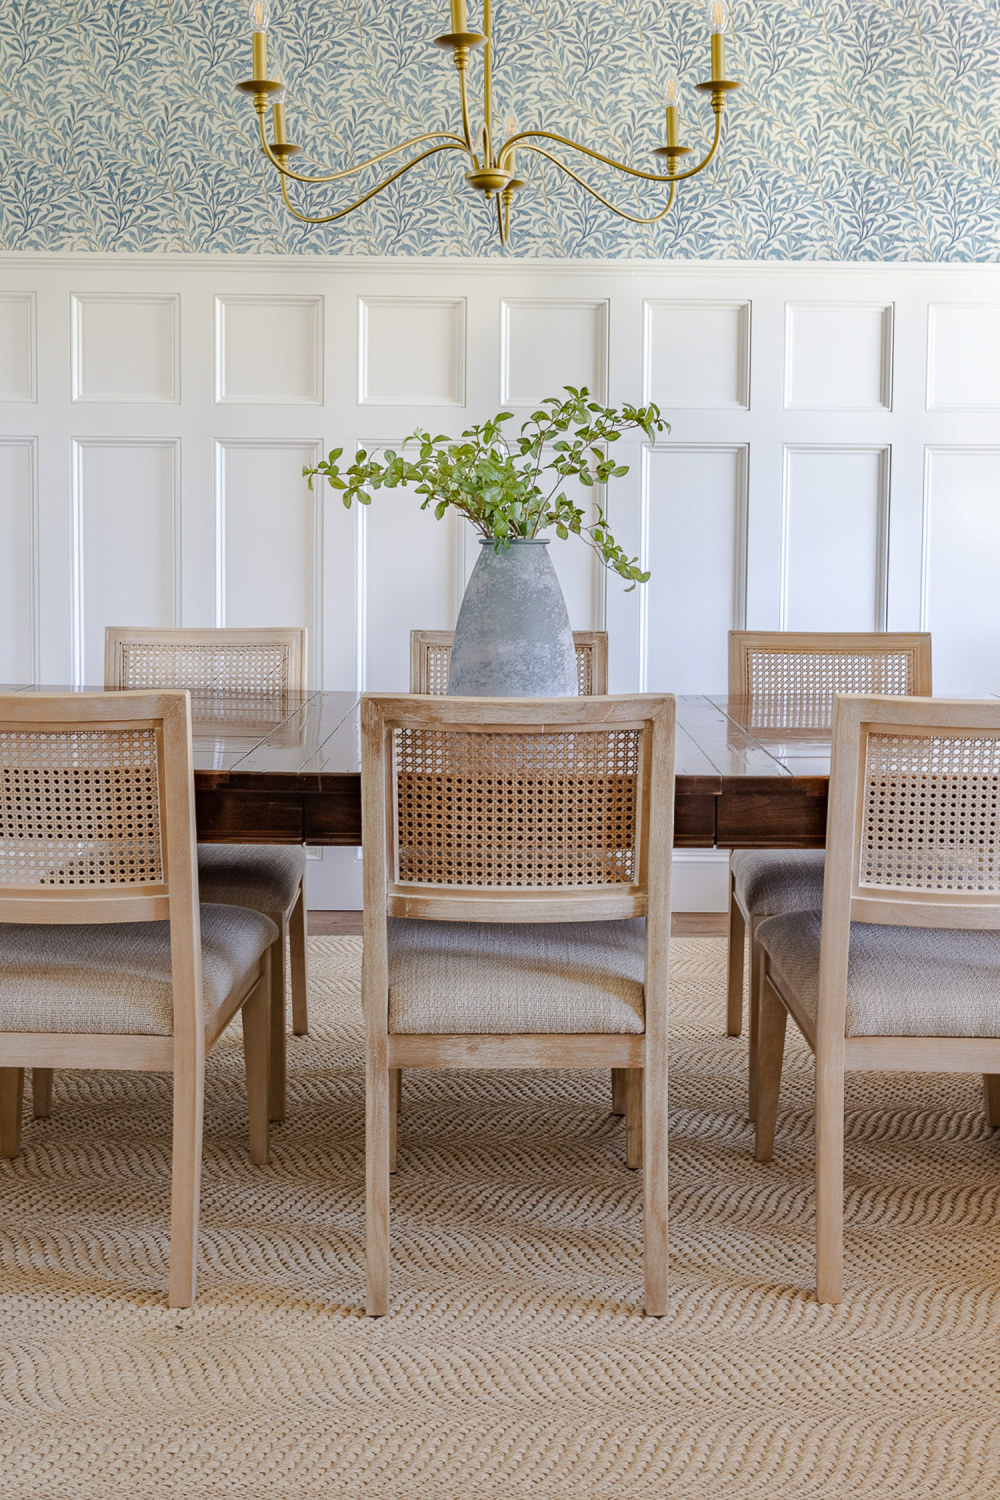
286	769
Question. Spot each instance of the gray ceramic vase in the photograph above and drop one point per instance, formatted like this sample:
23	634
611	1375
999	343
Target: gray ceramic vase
513	637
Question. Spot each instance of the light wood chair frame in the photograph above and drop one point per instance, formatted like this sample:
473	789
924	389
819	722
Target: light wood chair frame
916	645
845	901
174	900
590	643
641	1059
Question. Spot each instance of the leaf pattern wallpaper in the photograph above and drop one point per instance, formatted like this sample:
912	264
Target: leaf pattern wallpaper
865	129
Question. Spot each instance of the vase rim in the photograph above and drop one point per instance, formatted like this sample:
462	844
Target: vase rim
517	541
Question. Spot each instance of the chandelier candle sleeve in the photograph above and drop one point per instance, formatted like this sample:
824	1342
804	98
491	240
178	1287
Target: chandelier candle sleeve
459	18
718	20
260	20
673	136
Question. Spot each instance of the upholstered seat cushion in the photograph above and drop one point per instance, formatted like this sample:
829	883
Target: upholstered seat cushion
265	877
771	881
510	977
115	978
901	981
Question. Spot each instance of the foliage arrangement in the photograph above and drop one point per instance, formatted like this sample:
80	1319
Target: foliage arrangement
505	486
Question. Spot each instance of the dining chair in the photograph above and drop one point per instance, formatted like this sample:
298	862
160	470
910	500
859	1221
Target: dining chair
106	958
256	668
787	682
900	970
430	656
517	912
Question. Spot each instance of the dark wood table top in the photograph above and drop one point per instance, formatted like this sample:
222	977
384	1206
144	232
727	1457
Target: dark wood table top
288	769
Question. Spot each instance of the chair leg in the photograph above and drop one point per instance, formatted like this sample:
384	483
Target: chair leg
41	1092
189	1105
830	1180
11	1105
734	980
633	1117
256	1017
991	1094
756	967
377	1132
276	1087
618	1090
300	977
395	1094
655	1186
772	1018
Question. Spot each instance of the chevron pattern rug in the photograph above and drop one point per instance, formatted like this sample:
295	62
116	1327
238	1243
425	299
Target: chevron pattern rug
516	1361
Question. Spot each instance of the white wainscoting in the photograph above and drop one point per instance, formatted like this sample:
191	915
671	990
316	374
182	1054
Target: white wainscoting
834	461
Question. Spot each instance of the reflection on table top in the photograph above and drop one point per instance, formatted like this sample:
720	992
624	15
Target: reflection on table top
309	737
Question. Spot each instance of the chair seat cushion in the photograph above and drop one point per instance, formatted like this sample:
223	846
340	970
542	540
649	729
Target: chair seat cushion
901	981
115	978
510	978
771	881
265	877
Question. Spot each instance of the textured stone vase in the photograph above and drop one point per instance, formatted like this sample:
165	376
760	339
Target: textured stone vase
513	637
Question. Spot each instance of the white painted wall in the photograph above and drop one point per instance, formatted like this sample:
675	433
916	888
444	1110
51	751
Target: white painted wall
834	461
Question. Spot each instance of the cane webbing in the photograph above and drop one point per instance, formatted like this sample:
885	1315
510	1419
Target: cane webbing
79	807
823	674
516	809
438	662
210	667
931	812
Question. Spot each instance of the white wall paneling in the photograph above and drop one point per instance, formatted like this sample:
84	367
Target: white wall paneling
834	460
126	541
19	648
697	355
17	346
411	351
548	343
835	535
269	350
125	348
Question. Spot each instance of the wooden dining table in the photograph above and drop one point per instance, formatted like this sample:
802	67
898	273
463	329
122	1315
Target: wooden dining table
286	769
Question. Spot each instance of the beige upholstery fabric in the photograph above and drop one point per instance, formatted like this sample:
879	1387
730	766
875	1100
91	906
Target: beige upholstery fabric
265	877
115	978
772	881
507	978
902	981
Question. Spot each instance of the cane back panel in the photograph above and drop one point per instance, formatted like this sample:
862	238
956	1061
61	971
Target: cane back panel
207	662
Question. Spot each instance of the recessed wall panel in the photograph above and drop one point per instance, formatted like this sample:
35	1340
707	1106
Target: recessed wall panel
269	350
546	345
961	552
835	531
838	356
125	348
268	537
411	351
695	549
963	358
17	346
698	355
125	541
17	560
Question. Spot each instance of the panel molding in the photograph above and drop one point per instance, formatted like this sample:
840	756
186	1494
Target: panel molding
28	300
932	451
30	444
744	311
600	306
887	311
79	301
225	300
933	308
458	305
78	583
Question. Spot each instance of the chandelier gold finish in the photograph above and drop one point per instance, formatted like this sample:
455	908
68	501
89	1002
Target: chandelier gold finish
493	166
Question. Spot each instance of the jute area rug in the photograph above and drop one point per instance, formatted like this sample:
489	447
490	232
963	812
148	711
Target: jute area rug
516	1361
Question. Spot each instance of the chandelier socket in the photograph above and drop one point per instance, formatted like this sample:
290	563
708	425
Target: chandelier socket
456	39
260	86
284	148
672	151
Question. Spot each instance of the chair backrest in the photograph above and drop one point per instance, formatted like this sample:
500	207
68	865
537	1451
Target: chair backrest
819	664
523	810
259	662
430	659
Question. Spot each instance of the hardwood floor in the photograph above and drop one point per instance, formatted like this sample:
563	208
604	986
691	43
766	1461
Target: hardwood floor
685	924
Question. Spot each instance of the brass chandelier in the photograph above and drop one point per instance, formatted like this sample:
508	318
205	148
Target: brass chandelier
493	165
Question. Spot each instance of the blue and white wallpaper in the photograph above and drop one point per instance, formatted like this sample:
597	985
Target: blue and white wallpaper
865	129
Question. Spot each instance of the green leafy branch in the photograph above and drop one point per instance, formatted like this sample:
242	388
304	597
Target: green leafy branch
511	487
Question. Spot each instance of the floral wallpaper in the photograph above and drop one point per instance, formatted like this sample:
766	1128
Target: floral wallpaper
865	129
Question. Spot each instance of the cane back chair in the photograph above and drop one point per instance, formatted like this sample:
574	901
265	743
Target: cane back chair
106	959
430	658
786	682
232	672
900	971
512	847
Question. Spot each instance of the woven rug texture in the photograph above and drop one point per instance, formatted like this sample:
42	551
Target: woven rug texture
516	1361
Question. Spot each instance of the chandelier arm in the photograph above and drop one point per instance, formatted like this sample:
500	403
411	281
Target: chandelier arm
609	161
632	218
466	126
428	135
378	188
